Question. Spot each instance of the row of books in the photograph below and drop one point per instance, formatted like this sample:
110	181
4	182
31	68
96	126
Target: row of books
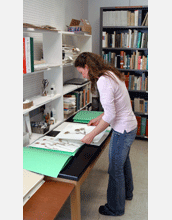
69	104
140	105
136	82
83	96
77	99
142	124
125	18
130	39
28	55
134	61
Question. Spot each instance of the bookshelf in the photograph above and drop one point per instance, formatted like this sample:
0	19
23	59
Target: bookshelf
124	44
56	74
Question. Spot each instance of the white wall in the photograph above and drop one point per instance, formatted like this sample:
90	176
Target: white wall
56	13
94	15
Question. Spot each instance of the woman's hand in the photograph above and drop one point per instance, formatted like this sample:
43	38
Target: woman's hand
95	121
88	138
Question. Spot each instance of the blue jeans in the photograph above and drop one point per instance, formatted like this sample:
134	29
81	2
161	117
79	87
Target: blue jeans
120	184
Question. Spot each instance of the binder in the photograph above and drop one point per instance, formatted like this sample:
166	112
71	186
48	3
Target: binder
86	116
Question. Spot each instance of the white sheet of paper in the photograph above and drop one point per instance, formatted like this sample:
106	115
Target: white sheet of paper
77	131
52	143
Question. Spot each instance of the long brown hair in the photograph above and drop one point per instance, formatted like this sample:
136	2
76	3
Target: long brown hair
97	67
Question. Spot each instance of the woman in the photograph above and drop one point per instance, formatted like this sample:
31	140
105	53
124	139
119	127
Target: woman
118	114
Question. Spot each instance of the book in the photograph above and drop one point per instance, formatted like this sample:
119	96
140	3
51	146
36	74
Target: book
86	116
146	128
77	94
135	38
146	106
132	18
32	54
136	12
142	40
143	126
141	105
136	104
28	57
144	21
139	17
127	80
113	39
24	56
138	124
121	59
139	40
104	39
29	54
128	18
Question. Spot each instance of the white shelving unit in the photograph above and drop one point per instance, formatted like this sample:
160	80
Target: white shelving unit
56	73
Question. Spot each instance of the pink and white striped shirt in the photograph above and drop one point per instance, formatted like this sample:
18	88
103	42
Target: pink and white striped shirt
115	101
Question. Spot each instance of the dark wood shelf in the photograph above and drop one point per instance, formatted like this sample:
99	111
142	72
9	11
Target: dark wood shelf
131	8
123	48
142	137
138	91
133	70
140	113
109	26
125	27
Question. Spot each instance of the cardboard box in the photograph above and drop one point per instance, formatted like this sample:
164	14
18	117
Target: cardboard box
27	105
76	27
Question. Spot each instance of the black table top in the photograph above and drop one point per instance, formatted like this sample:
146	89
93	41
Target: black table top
80	162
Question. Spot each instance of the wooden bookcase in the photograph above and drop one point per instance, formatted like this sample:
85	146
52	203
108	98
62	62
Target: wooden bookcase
115	24
56	74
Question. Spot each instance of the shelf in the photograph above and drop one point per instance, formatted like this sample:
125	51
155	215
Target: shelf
42	70
138	91
75	34
77	111
133	70
125	27
70	88
122	48
140	113
35	30
141	136
54	72
36	136
126	38
131	8
39	101
68	64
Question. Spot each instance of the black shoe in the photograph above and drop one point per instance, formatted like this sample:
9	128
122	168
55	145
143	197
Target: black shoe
104	210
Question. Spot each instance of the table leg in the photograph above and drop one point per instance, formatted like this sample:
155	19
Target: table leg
75	203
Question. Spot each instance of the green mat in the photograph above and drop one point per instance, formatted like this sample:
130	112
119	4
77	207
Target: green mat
86	116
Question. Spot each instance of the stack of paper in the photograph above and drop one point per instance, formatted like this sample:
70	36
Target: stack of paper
77	132
60	145
86	116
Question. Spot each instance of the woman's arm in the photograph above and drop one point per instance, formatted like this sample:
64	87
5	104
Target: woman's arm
96	120
97	130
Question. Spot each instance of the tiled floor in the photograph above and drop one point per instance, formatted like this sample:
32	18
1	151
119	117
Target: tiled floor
93	190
